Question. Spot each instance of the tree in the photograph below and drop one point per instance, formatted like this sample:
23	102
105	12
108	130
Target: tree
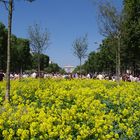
3	46
107	55
24	56
20	55
14	55
77	70
131	38
94	63
10	13
10	10
80	47
39	41
20	52
44	61
53	68
110	23
89	64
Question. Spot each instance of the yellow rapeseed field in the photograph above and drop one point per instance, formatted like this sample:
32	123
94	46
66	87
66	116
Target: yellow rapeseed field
56	109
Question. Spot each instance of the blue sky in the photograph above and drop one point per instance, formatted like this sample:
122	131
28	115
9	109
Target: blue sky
65	20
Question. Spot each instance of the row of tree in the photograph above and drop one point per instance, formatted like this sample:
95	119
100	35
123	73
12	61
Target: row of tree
22	58
120	50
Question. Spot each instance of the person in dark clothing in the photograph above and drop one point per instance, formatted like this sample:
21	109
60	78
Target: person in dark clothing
1	75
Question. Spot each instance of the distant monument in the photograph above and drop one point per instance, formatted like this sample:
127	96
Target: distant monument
69	69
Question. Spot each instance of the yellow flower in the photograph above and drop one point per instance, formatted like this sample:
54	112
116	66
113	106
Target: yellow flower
108	136
25	134
116	135
125	112
19	131
129	132
5	133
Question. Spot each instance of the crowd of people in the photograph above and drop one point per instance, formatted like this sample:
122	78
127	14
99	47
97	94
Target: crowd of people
100	76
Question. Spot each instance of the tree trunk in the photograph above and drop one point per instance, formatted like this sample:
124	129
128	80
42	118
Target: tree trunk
80	69
20	73
38	65
10	9
118	61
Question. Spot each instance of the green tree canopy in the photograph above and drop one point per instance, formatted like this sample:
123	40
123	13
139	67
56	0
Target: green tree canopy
3	46
131	38
53	68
